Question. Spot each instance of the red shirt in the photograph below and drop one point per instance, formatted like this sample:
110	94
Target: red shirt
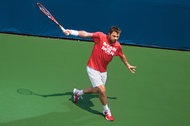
103	52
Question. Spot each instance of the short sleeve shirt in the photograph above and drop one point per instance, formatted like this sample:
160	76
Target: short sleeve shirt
103	52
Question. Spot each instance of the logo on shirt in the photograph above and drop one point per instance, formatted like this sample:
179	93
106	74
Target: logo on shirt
108	49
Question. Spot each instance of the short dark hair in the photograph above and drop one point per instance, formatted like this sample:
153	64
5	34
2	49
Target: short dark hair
115	29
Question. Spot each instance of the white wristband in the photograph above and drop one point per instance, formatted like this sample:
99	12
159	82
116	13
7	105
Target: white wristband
74	33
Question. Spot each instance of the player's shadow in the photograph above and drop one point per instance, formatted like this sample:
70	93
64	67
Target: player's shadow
84	103
87	104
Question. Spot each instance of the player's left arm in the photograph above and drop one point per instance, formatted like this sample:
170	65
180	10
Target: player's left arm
131	68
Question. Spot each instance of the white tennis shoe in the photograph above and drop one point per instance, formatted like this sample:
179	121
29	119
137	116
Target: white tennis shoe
76	95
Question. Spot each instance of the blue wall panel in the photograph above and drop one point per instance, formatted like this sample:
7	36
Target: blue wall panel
156	23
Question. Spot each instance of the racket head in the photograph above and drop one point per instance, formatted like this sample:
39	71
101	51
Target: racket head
46	12
49	15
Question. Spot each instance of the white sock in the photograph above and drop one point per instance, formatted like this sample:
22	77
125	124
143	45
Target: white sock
106	107
81	92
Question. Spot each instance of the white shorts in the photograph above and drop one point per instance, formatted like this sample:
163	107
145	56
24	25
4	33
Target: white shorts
97	78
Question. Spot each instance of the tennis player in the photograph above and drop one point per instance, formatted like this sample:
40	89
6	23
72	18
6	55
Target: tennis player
105	47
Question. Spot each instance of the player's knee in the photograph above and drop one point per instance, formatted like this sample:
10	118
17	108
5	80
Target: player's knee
102	90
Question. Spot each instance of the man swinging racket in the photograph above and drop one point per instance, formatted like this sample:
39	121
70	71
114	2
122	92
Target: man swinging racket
105	47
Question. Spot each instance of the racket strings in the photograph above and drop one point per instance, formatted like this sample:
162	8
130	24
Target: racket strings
45	11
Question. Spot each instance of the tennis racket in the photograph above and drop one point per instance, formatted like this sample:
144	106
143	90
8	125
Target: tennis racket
48	14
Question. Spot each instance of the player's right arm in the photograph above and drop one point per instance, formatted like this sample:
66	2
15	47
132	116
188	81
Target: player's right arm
85	34
82	34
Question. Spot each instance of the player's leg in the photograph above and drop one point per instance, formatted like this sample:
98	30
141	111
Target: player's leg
96	79
100	90
90	90
78	93
102	94
103	99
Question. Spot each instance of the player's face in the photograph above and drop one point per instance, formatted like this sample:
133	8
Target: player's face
113	37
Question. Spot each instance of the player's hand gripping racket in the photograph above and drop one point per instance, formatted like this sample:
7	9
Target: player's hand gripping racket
48	14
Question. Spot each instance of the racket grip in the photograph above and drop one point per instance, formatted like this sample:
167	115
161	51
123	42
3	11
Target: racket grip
62	28
67	33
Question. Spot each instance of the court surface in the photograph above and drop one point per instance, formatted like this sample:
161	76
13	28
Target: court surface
157	95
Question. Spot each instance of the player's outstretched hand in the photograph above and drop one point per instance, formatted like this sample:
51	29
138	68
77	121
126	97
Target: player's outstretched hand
67	32
132	68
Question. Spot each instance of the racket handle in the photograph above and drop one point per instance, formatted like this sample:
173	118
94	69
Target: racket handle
67	33
62	28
